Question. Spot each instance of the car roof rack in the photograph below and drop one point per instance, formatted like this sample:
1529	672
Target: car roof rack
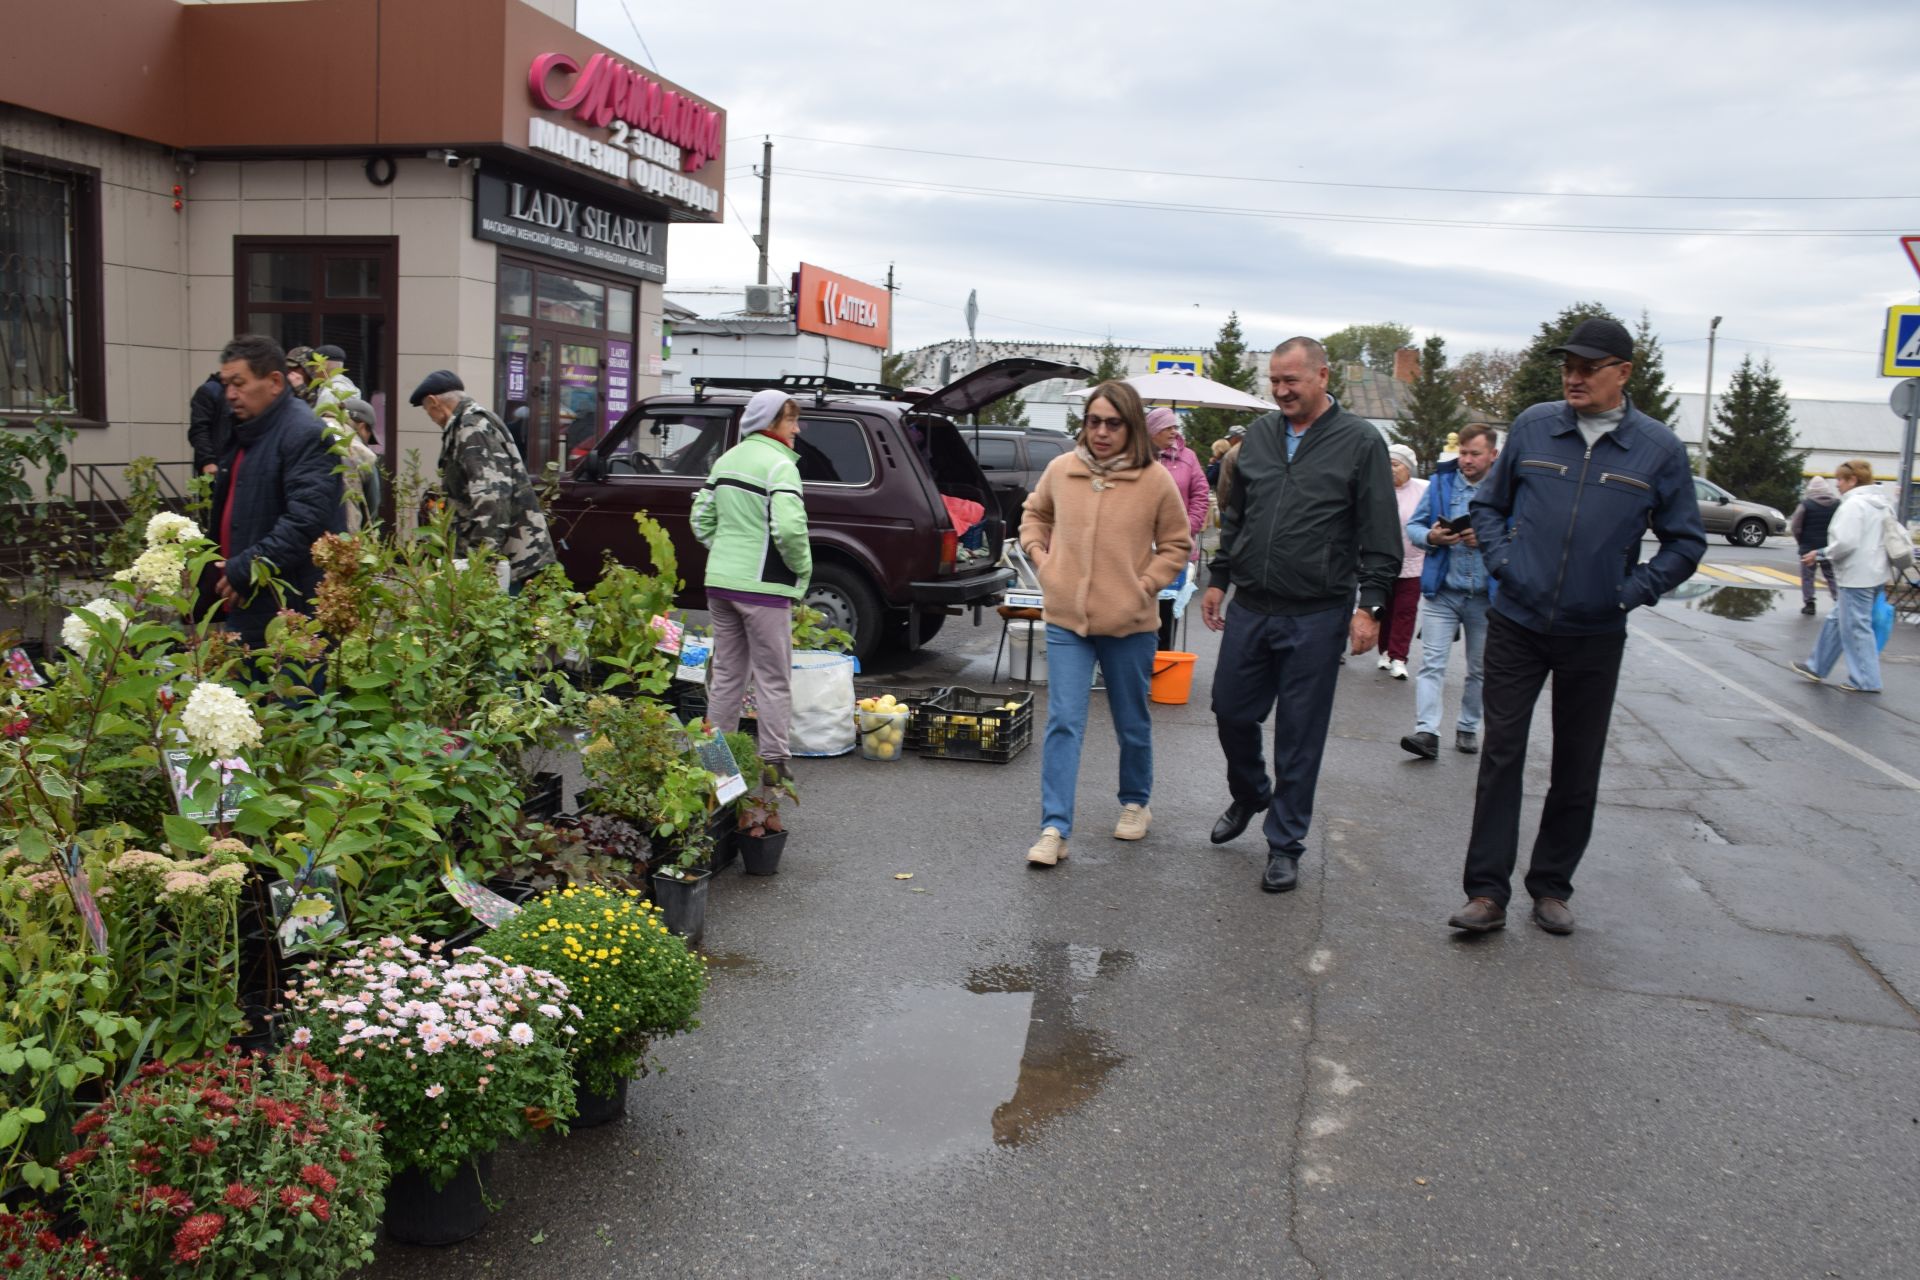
820	384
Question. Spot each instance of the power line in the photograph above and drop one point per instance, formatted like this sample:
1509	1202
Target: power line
637	36
1311	182
1366	219
1768	342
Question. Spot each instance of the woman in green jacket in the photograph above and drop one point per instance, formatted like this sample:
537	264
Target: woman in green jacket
751	518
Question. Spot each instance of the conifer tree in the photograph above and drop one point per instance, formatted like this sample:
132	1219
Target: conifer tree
1751	451
1537	380
1433	408
1647	388
1110	367
1227	363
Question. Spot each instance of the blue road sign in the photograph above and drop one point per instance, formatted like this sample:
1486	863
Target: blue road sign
1900	358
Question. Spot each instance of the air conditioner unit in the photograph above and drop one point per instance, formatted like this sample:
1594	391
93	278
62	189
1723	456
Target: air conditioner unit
766	299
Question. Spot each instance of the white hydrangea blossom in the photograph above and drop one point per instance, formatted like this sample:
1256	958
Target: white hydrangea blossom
171	527
159	568
75	632
218	721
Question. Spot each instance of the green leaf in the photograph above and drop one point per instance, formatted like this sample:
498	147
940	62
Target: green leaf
33	844
185	834
39	1059
56	786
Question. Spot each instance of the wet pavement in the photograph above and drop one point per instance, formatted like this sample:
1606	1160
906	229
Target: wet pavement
1137	1064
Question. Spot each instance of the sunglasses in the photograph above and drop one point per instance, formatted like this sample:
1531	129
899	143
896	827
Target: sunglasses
1586	369
1094	422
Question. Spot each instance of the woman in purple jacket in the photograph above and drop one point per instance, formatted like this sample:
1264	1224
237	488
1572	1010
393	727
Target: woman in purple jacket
1191	480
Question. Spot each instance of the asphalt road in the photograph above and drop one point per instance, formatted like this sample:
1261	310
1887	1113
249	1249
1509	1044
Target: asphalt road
1137	1064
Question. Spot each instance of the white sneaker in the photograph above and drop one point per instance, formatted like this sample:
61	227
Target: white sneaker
1399	669
1134	821
1385	662
1050	848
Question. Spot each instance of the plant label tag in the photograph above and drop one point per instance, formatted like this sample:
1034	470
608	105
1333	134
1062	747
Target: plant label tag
670	633
482	903
308	911
717	758
20	667
218	792
695	650
83	901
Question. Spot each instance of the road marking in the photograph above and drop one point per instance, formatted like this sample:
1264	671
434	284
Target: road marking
1805	726
1778	575
1716	572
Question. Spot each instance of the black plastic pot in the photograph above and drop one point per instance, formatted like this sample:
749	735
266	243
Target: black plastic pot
417	1214
596	1109
760	855
683	903
544	798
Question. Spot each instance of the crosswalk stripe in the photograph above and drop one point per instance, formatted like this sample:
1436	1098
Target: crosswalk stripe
1779	575
1716	572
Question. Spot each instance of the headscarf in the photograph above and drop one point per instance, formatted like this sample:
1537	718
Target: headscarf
1404	455
1821	489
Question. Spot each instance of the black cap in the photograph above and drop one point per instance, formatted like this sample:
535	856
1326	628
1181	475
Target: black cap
331	352
1596	339
436	383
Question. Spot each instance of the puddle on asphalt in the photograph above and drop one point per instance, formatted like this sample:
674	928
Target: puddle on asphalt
957	1070
731	961
1741	604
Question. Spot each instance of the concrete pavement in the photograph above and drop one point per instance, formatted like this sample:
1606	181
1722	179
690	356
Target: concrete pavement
1138	1064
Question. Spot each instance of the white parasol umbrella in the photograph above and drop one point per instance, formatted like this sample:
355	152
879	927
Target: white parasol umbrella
1180	389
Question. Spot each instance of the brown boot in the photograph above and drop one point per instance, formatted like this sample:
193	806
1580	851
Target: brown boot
1480	915
1552	915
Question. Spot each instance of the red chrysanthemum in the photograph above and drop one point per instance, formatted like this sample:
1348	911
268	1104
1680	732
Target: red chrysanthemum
194	1235
241	1196
316	1176
203	1146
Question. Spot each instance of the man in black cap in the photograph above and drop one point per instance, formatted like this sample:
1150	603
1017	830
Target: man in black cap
1559	520
484	481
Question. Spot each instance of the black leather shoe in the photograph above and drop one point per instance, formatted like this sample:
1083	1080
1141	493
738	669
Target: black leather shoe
1466	741
1282	873
1552	915
1424	745
1807	608
1235	820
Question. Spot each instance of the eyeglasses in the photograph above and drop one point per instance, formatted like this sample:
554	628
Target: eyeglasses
1094	422
1586	369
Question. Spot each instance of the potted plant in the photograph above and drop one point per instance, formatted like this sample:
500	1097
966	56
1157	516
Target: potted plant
633	979
232	1164
761	837
458	1053
33	1249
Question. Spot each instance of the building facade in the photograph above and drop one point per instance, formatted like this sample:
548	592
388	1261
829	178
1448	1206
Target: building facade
475	187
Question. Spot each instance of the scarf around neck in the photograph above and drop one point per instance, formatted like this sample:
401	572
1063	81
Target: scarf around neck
1102	471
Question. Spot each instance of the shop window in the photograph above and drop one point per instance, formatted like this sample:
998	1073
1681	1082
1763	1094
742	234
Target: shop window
50	342
516	290
619	311
572	301
280	277
833	451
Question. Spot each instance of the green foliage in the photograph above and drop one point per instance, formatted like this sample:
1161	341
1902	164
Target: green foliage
1537	380
34	1252
447	1087
810	634
1481	377
639	762
41	524
1008	411
633	979
1111	366
1370	344
207	1167
1750	452
145	498
1228	363
1433	408
1647	388
896	369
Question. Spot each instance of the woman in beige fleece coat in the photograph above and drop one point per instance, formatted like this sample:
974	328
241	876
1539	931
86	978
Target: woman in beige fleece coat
1106	531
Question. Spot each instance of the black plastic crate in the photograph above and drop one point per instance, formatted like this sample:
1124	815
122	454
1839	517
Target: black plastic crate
964	725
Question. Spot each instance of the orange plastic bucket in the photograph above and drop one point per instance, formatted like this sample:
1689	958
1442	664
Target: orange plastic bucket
1172	678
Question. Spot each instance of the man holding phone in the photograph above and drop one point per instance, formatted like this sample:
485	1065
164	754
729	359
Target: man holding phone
1455	583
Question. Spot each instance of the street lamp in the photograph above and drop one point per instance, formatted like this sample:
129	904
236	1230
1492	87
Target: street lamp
1706	410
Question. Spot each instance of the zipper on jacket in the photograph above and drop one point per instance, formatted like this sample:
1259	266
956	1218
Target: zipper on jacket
1566	547
1544	465
1605	476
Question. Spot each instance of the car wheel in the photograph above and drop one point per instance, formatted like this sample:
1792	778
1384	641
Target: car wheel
1749	533
849	603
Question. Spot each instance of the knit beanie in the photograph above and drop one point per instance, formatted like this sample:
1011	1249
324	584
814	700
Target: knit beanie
1403	454
1160	419
763	411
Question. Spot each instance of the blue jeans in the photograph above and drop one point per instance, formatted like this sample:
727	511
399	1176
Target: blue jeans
1848	631
1292	662
1447	611
1127	662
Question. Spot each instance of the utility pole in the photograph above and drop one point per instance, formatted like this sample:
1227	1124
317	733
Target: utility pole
1706	410
766	201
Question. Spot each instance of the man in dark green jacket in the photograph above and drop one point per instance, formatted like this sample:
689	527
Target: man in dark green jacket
1308	520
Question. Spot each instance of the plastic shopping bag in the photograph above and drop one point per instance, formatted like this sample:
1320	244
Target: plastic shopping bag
822	704
1882	619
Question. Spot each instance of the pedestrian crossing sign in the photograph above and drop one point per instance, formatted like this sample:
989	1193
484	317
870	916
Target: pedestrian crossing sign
1900	357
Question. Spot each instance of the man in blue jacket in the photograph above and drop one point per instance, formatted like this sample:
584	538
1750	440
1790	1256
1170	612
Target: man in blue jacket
1559	520
1454	581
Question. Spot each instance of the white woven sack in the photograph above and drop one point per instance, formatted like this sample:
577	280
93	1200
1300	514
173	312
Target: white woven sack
822	704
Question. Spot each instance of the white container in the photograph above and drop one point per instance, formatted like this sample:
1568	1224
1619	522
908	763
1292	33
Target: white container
1024	636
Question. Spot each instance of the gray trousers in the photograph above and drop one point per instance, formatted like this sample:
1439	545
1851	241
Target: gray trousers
752	641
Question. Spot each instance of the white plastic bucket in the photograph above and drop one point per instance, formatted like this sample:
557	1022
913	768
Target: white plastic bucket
1024	636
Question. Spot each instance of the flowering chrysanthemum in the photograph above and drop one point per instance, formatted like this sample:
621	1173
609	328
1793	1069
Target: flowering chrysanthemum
77	635
171	528
218	721
158	569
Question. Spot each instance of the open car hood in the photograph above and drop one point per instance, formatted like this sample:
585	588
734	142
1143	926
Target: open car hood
992	381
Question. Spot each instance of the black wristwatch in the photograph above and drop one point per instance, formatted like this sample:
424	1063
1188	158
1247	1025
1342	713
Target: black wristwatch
1375	611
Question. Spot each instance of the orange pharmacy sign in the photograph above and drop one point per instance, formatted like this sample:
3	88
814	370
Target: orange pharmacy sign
838	306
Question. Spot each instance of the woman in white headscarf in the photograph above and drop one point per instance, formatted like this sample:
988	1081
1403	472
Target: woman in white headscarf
1397	625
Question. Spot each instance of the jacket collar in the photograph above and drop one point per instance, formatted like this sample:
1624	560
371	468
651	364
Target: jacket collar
1076	467
1631	423
252	430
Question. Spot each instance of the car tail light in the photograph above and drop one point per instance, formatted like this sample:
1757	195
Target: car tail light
949	550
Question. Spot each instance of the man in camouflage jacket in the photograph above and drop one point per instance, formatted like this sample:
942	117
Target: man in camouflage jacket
484	481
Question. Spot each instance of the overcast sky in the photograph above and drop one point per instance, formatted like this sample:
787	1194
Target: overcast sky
1623	102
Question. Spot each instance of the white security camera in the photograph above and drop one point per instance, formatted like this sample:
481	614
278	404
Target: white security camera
449	158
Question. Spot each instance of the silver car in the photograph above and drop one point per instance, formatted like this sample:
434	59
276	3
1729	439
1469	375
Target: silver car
1744	524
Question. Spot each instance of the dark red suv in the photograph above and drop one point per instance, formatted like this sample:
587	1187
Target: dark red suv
889	565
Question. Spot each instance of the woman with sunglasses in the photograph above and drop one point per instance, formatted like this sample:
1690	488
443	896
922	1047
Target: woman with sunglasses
1106	532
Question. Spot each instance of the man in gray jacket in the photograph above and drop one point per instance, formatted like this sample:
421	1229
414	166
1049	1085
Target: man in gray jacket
1309	517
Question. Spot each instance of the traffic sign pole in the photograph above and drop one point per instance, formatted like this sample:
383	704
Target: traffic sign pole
1906	403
